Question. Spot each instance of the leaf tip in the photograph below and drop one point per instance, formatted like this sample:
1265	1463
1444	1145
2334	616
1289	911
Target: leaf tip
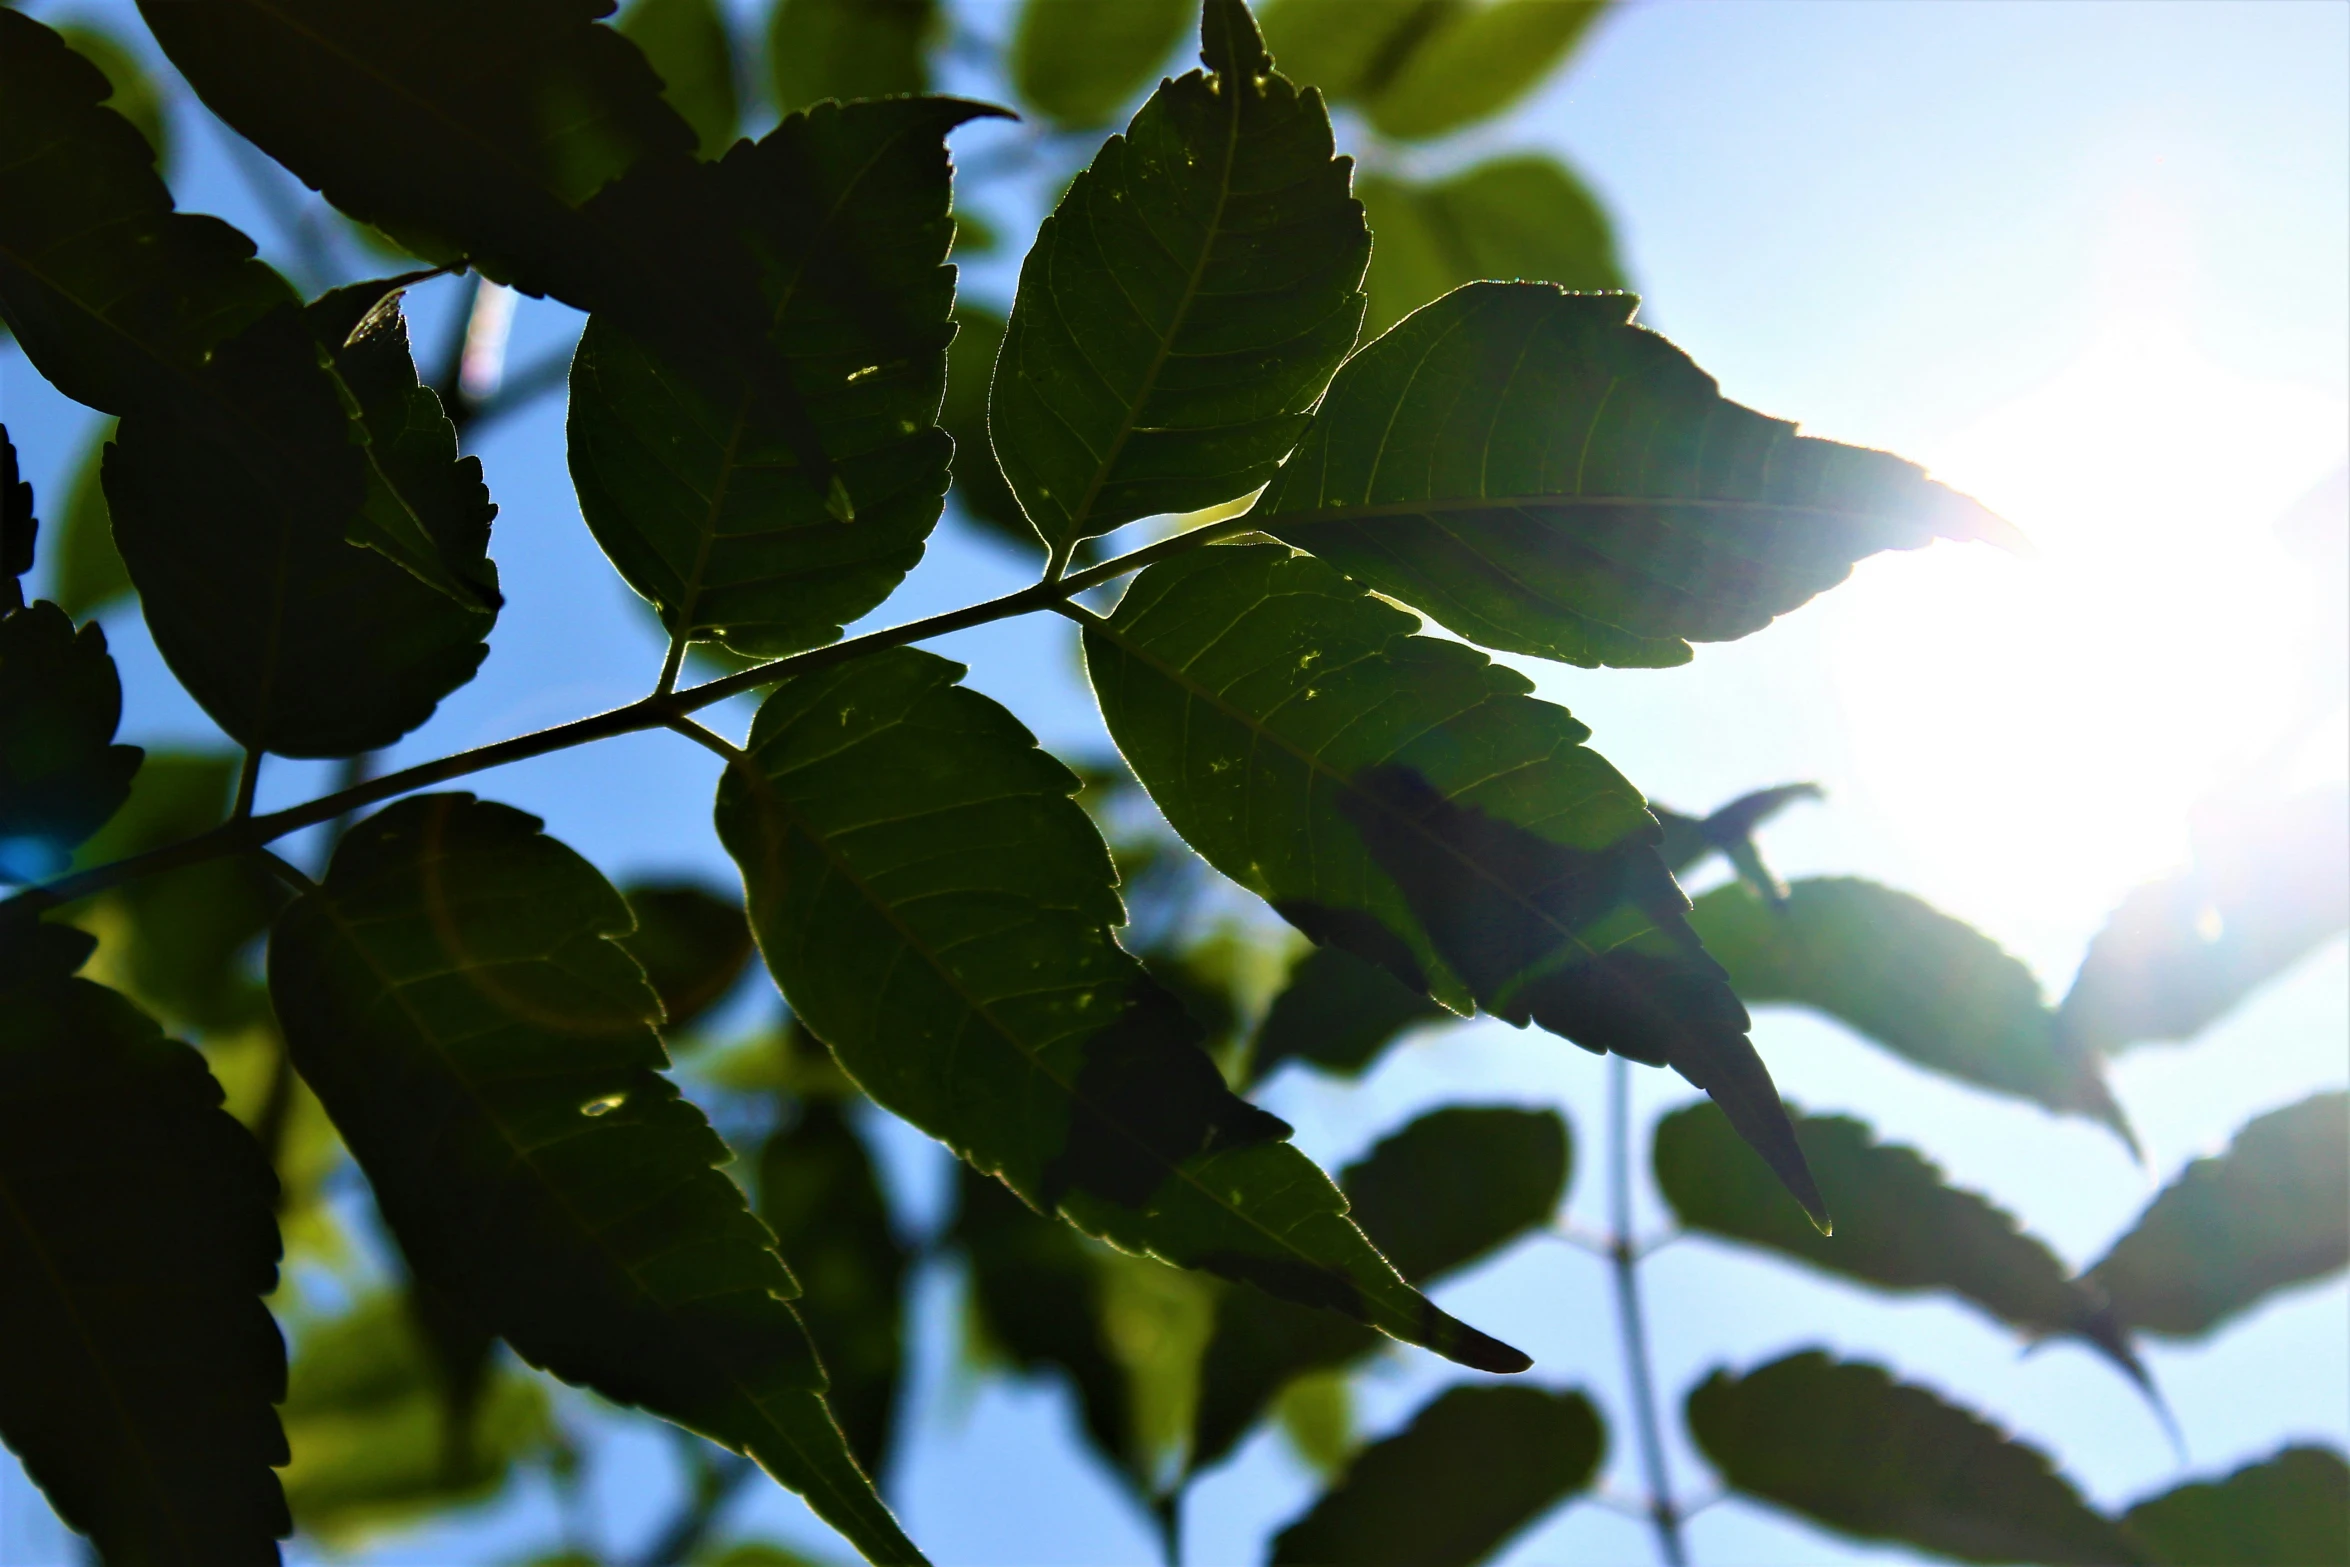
1229	43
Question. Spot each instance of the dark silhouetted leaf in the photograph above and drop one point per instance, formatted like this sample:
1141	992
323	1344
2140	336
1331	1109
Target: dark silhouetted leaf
686	43
136	1243
1689	839
1185	304
699	496
1475	1466
2266	890
20	529
135	96
87	573
693	943
1541	476
849	49
2271	1212
979	484
1523	217
938	910
2289	1510
1403	797
1338	1012
1846	1446
819	1193
1899	1226
486	1049
1078	62
1904	975
61	775
1475	61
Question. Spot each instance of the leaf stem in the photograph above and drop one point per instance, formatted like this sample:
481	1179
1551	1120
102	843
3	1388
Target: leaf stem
1624	1265
248	785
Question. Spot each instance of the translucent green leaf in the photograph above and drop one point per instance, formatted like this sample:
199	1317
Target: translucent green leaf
1523	217
693	944
1184	306
1338	1012
979	484
1348	48
1904	975
687	45
1476	1466
697	492
61	775
454	995
2291	1509
939	911
1846	1446
2271	1212
1476	60
849	49
1541	476
1078	62
87	572
2265	891
1899	1225
135	97
136	1244
1404	798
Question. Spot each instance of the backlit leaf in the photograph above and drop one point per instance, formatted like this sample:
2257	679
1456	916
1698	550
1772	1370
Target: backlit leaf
979	484
136	1244
939	911
686	43
1523	217
1476	60
1185	304
1541	476
1338	1013
2291	1509
849	49
1475	1466
693	944
1689	839
61	775
135	97
2228	1231
87	574
1078	62
454	995
1846	1446
1404	798
1347	48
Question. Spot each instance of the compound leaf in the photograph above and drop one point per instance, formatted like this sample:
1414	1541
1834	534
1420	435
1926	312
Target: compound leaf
136	1244
61	775
849	49
2291	1509
1524	217
1184	306
1905	976
1475	60
692	943
938	911
687	44
1475	1466
1404	798
2271	1212
1541	476
454	995
1845	1445
1078	62
1338	1012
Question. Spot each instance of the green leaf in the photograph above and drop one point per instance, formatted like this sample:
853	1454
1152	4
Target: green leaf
135	96
1521	217
1899	1225
1184	306
1476	1466
1905	976
938	910
2263	893
1348	48
979	484
87	572
61	775
19	528
849	49
2271	1212
1078	62
1843	1444
1404	798
454	995
693	944
1338	1012
697	494
819	1193
136	1244
2291	1509
1541	476
686	43
1475	61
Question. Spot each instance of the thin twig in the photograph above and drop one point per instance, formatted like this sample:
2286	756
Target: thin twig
248	784
1625	1266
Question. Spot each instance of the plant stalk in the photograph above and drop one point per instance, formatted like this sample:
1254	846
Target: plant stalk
1624	1266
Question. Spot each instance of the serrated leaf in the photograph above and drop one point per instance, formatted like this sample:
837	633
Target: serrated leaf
87	574
1523	217
1843	1444
2291	1509
1905	976
1527	467
693	944
2228	1231
1338	1013
687	44
1899	1225
1184	306
454	994
939	911
697	491
2266	889
1404	798
979	483
819	1193
61	775
136	1244
849	49
1476	1466
1078	62
135	96
1475	61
